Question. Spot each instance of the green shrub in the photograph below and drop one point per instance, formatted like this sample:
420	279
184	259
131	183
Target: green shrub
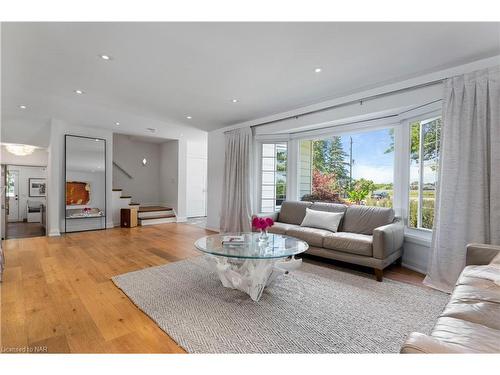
427	213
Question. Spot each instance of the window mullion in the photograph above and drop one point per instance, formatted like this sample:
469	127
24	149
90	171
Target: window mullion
420	175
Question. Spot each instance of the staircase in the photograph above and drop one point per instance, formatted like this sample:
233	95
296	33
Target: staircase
150	215
147	215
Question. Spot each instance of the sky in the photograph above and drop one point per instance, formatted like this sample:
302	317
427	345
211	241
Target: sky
370	161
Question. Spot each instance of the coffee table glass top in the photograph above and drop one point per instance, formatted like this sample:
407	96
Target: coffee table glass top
276	246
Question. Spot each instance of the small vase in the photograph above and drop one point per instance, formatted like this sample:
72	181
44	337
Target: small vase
263	235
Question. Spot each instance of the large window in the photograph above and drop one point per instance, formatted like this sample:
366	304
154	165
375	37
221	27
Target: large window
424	156
274	174
356	168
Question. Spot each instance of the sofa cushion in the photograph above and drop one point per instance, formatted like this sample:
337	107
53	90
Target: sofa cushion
484	313
322	220
281	228
364	219
354	243
486	277
313	236
468	336
293	212
330	207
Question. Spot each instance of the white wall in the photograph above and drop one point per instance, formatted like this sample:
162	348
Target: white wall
216	152
144	186
55	171
25	173
169	172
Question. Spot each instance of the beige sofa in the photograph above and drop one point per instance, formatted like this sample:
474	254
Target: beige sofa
470	323
367	236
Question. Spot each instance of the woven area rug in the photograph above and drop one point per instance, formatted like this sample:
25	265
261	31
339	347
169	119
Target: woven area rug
315	309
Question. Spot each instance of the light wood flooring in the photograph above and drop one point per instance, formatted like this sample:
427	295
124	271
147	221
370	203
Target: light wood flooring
57	295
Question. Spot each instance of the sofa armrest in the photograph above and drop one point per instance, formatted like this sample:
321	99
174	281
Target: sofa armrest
480	254
388	239
418	343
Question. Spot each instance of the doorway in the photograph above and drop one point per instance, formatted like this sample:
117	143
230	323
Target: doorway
25	201
196	187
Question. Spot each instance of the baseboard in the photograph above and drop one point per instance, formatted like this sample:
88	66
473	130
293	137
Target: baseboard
54	233
181	219
213	229
414	268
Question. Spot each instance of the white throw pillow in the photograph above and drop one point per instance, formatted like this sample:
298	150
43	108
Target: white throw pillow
322	220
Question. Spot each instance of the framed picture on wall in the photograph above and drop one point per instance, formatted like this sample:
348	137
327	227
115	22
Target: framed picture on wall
37	187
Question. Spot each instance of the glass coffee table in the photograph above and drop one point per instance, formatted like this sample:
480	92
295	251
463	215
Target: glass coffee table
253	264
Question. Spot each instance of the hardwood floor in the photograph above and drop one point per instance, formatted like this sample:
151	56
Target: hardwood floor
24	230
57	295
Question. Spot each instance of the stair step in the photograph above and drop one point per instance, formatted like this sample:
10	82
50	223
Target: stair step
153	208
154	214
158	220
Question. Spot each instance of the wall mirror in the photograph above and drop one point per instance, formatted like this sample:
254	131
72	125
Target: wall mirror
85	183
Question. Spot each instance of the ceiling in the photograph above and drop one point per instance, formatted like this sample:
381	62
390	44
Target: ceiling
167	71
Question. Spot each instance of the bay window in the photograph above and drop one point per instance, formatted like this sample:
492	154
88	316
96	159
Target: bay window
391	164
356	168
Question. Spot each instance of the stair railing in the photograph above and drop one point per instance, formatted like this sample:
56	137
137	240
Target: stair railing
122	169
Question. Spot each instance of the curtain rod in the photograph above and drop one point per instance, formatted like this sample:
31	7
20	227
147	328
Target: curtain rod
360	101
361	121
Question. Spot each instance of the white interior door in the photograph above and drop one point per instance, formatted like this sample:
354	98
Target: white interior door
196	187
13	195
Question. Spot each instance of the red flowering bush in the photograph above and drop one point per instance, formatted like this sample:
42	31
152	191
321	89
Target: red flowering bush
324	188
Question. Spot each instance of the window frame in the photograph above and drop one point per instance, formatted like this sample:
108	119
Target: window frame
258	162
404	156
390	122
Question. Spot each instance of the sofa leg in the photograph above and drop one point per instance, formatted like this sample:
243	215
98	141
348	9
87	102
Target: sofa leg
379	274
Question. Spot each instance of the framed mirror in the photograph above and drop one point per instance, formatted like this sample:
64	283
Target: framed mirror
85	183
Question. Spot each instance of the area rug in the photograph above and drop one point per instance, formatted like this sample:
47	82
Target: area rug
315	309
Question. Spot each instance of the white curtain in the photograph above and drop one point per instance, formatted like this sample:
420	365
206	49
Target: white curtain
236	190
468	199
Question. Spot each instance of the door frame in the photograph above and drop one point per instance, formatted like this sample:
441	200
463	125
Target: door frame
4	218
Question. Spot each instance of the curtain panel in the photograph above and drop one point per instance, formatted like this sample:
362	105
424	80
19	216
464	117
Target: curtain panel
236	208
467	207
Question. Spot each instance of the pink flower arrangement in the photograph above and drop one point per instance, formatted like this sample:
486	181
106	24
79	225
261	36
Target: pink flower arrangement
262	222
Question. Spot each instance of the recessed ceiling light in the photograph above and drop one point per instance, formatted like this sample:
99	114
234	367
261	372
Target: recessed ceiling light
117	123
189	117
105	57
235	100
79	92
22	106
318	70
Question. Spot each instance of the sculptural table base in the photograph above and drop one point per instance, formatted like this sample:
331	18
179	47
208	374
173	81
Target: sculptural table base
252	275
